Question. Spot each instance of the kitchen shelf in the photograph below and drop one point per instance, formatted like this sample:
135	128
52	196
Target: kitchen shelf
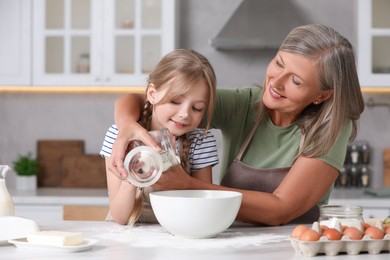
71	89
61	196
117	89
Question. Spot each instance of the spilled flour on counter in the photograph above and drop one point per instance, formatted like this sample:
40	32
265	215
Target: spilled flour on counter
156	236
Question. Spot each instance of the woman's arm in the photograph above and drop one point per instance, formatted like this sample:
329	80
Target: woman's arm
307	181
127	112
204	174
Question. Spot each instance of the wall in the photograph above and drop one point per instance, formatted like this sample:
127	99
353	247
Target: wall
28	117
25	118
374	127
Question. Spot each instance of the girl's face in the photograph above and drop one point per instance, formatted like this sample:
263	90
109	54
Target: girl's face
291	84
180	114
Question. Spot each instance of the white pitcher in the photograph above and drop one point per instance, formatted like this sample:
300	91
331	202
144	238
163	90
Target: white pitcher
6	203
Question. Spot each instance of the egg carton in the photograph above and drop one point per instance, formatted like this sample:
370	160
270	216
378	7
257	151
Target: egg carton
345	245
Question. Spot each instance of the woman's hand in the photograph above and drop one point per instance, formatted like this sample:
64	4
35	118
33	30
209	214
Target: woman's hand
175	178
126	135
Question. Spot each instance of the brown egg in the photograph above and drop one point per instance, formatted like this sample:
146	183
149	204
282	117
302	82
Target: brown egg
309	235
323	227
298	230
353	233
332	234
374	232
365	225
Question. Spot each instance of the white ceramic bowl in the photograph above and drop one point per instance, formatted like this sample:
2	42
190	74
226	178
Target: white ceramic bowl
195	213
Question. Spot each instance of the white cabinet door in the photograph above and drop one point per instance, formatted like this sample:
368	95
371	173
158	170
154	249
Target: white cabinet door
100	42
15	42
64	34
374	43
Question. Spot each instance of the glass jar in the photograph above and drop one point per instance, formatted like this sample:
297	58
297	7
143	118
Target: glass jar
83	64
342	215
144	165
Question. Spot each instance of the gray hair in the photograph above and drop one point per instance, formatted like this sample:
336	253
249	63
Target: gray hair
333	56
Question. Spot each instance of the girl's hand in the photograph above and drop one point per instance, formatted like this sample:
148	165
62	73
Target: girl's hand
125	136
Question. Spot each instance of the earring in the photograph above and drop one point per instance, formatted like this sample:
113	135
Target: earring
316	102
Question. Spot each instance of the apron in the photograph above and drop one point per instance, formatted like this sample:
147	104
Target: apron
242	176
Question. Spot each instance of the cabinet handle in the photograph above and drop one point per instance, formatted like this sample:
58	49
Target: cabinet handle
108	79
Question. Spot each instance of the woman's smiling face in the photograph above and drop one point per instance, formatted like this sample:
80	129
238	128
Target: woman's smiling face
292	83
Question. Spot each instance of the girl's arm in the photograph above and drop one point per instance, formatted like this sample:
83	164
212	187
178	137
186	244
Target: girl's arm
307	181
122	197
127	112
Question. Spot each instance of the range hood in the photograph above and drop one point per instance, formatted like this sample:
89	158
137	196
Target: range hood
259	25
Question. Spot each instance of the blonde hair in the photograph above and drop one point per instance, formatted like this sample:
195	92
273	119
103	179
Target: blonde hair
335	62
182	69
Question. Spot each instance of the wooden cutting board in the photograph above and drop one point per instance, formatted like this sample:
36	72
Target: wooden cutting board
85	171
63	164
386	167
50	154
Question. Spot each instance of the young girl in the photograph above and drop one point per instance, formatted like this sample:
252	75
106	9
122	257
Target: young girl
180	90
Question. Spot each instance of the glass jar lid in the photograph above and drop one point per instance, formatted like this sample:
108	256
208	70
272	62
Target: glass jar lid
341	210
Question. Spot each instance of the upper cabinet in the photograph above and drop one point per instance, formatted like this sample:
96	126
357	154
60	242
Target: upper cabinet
15	43
374	43
100	42
94	42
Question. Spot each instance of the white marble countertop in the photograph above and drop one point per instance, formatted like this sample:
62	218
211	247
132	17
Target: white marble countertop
358	197
153	242
61	196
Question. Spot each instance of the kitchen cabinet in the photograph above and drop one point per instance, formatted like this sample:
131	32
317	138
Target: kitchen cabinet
83	42
100	42
39	212
46	204
15	44
373	23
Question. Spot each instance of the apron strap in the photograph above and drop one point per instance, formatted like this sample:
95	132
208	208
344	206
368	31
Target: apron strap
250	136
247	140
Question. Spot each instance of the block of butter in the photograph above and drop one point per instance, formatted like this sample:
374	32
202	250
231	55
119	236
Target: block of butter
55	238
